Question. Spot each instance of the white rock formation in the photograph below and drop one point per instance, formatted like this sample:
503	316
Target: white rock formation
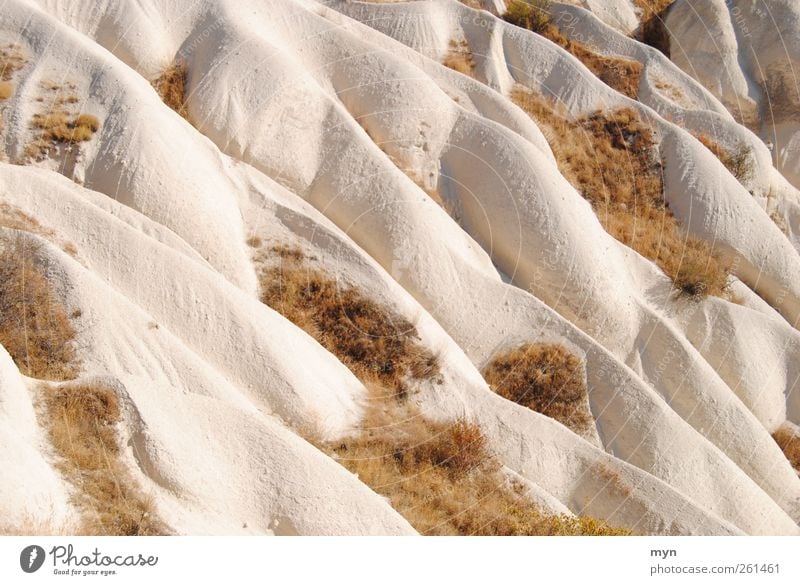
303	114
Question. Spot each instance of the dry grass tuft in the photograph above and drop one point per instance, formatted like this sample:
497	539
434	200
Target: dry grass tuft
531	14
439	476
652	30
789	443
740	162
59	126
442	479
374	343
459	58
6	90
546	378
12	59
619	73
611	159
171	86
34	327
81	424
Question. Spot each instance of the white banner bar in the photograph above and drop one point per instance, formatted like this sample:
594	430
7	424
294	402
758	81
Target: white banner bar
400	560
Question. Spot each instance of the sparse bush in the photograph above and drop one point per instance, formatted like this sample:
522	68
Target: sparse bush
81	424
442	479
619	73
531	14
789	442
652	30
374	343
254	242
34	327
459	58
740	162
546	378
12	60
6	90
171	86
439	475
611	159
459	448
59	126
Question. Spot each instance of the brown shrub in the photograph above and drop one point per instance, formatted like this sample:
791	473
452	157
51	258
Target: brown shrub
611	159
171	86
546	378
59	126
6	90
739	163
34	327
459	58
12	60
441	478
789	442
531	14
374	343
652	30
619	73
81	425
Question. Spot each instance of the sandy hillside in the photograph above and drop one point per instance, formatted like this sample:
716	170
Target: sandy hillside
299	267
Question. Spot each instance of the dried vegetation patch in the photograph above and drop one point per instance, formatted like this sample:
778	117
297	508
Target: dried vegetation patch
619	73
377	345
444	481
34	326
739	162
546	378
12	59
652	29
459	58
439	475
611	159
59	125
789	442
81	422
171	87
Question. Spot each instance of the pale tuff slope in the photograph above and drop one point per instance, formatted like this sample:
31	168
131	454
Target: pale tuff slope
302	115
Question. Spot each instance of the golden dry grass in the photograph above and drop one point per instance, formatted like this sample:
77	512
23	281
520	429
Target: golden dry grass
619	73
790	445
459	58
546	378
652	30
6	90
439	476
374	343
739	162
81	421
611	159
171	86
12	59
59	126
34	326
442	479
531	14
